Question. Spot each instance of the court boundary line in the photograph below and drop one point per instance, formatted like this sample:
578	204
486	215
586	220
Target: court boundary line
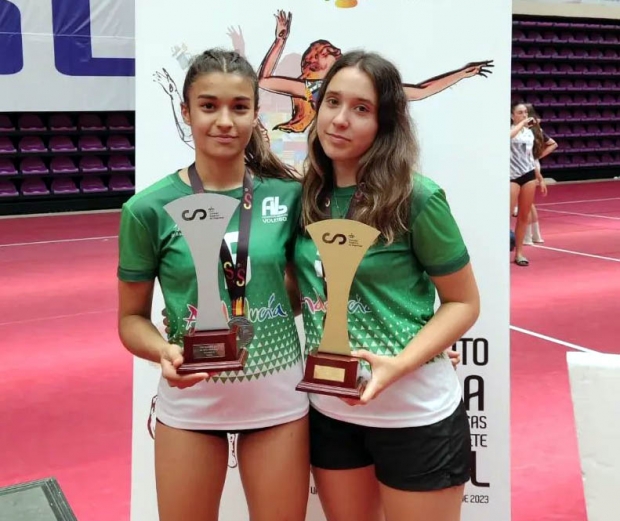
591	255
56	317
579	201
58	241
555	340
580	214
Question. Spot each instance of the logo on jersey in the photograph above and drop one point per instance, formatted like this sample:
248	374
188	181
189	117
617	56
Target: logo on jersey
272	211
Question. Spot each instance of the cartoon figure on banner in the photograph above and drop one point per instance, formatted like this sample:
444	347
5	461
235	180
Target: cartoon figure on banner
181	54
316	62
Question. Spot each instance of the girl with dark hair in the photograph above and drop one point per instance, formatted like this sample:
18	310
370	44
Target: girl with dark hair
402	452
524	175
196	413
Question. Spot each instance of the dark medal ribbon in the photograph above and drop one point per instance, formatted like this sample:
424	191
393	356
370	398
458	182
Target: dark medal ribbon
235	273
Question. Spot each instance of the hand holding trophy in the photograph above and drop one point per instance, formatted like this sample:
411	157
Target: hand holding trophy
342	243
215	345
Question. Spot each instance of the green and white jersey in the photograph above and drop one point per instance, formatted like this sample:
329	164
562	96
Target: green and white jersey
151	246
392	297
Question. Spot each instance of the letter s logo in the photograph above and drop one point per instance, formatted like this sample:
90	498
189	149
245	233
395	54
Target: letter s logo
331	240
195	215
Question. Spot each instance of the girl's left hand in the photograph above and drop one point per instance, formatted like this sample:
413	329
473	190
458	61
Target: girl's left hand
385	371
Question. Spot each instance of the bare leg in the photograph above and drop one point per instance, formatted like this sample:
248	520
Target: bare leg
348	495
439	505
275	471
525	200
190	469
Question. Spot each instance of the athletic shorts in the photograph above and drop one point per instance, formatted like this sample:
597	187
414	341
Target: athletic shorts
525	178
430	457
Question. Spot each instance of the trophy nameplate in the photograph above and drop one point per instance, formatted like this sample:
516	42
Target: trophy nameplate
212	346
331	370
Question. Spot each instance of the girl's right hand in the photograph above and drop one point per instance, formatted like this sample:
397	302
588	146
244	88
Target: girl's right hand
171	359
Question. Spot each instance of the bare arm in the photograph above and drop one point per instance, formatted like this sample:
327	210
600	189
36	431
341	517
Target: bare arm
136	331
279	84
458	312
141	338
515	129
432	86
550	146
170	88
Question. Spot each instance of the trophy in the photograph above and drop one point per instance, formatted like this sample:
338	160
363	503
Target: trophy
342	243
213	345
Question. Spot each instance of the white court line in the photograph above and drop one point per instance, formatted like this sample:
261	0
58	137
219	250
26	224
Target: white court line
555	340
43	319
581	214
601	257
58	241
581	201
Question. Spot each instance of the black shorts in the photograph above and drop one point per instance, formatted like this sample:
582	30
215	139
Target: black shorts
525	178
221	434
416	459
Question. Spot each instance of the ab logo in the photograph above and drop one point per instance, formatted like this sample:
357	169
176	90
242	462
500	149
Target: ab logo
272	211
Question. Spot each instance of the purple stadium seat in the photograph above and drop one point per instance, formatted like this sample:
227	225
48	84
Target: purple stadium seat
62	144
563	160
591	114
595	69
592	144
564	130
564	68
606	128
551	84
534	36
610	53
534	99
533	83
532	67
120	183
517	35
120	143
7	189
91	144
581	99
30	123
580	68
596	54
549	99
6	146
92	165
607	159
608	144
578	159
610	38
593	159
565	36
91	122
33	166
548	115
580	130
118	121
93	184
516	84
595	99
32	144
607	84
61	123
598	85
567	114
120	164
610	68
518	68
64	185
578	145
518	51
549	52
533	51
6	125
7	167
63	165
565	54
34	187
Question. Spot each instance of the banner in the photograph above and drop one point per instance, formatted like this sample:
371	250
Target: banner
461	116
67	55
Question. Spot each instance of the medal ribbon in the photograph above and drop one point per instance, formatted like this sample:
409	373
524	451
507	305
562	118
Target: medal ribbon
235	274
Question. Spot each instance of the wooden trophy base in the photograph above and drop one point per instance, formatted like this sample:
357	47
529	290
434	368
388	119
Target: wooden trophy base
212	352
333	375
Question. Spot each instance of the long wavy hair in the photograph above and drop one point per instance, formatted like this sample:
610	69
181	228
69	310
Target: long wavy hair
385	175
539	136
258	155
303	110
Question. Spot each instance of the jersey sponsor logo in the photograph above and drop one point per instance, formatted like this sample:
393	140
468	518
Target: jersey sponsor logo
272	211
319	305
261	314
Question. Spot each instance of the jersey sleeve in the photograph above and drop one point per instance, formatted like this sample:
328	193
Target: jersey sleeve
436	238
137	255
